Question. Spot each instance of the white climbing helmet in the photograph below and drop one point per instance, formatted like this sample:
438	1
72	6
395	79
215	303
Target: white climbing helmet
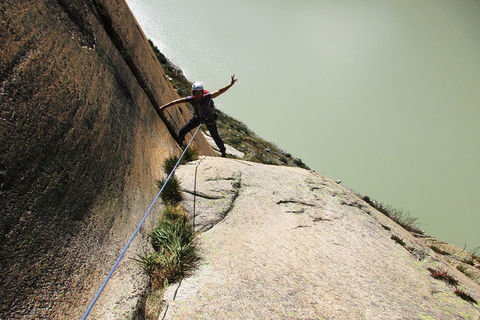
197	86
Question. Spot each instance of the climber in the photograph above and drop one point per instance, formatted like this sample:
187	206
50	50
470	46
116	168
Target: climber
204	112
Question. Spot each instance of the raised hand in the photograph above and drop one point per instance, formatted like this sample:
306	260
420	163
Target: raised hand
233	80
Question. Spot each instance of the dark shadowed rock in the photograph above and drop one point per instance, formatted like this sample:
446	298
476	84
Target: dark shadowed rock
81	144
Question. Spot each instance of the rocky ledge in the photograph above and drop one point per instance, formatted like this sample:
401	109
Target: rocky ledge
287	243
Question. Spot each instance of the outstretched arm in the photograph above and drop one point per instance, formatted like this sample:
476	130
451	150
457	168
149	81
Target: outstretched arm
181	100
219	92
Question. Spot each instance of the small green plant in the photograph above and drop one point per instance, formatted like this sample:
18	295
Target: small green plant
465	296
164	235
190	155
170	162
469	261
465	271
443	275
171	192
173	241
231	156
283	160
475	255
398	240
299	163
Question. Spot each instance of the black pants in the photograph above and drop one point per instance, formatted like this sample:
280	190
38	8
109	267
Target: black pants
211	126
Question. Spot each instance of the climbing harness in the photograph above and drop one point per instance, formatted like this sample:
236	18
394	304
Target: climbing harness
120	257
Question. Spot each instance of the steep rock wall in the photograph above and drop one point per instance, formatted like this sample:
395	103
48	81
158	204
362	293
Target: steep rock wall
81	145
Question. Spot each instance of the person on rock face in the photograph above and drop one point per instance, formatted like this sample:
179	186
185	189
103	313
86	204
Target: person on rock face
204	112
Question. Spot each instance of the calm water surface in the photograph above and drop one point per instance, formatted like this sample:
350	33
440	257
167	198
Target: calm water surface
384	95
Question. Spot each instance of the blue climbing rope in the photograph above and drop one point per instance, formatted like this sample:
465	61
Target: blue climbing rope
94	300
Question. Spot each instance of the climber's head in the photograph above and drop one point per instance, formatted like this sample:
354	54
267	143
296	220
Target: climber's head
197	88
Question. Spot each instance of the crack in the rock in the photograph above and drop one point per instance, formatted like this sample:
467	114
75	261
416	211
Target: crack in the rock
224	215
119	43
302	226
221	179
320	219
295	201
296	211
202	195
236	191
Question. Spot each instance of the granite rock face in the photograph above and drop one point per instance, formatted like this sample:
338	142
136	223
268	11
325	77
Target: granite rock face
81	144
287	243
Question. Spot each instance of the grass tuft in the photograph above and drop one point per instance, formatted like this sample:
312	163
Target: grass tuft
399	216
465	271
439	251
475	255
169	163
173	241
190	155
443	275
398	240
171	193
465	296
469	260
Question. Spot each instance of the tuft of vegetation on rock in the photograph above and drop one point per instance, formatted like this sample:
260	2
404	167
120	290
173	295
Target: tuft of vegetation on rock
171	192
439	251
470	260
174	256
475	255
397	215
398	240
169	163
443	275
465	271
173	241
465	296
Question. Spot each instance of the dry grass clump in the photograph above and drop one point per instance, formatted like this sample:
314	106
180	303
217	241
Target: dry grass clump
443	275
465	296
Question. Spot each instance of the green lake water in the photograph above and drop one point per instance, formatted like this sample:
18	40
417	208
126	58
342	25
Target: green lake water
384	95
